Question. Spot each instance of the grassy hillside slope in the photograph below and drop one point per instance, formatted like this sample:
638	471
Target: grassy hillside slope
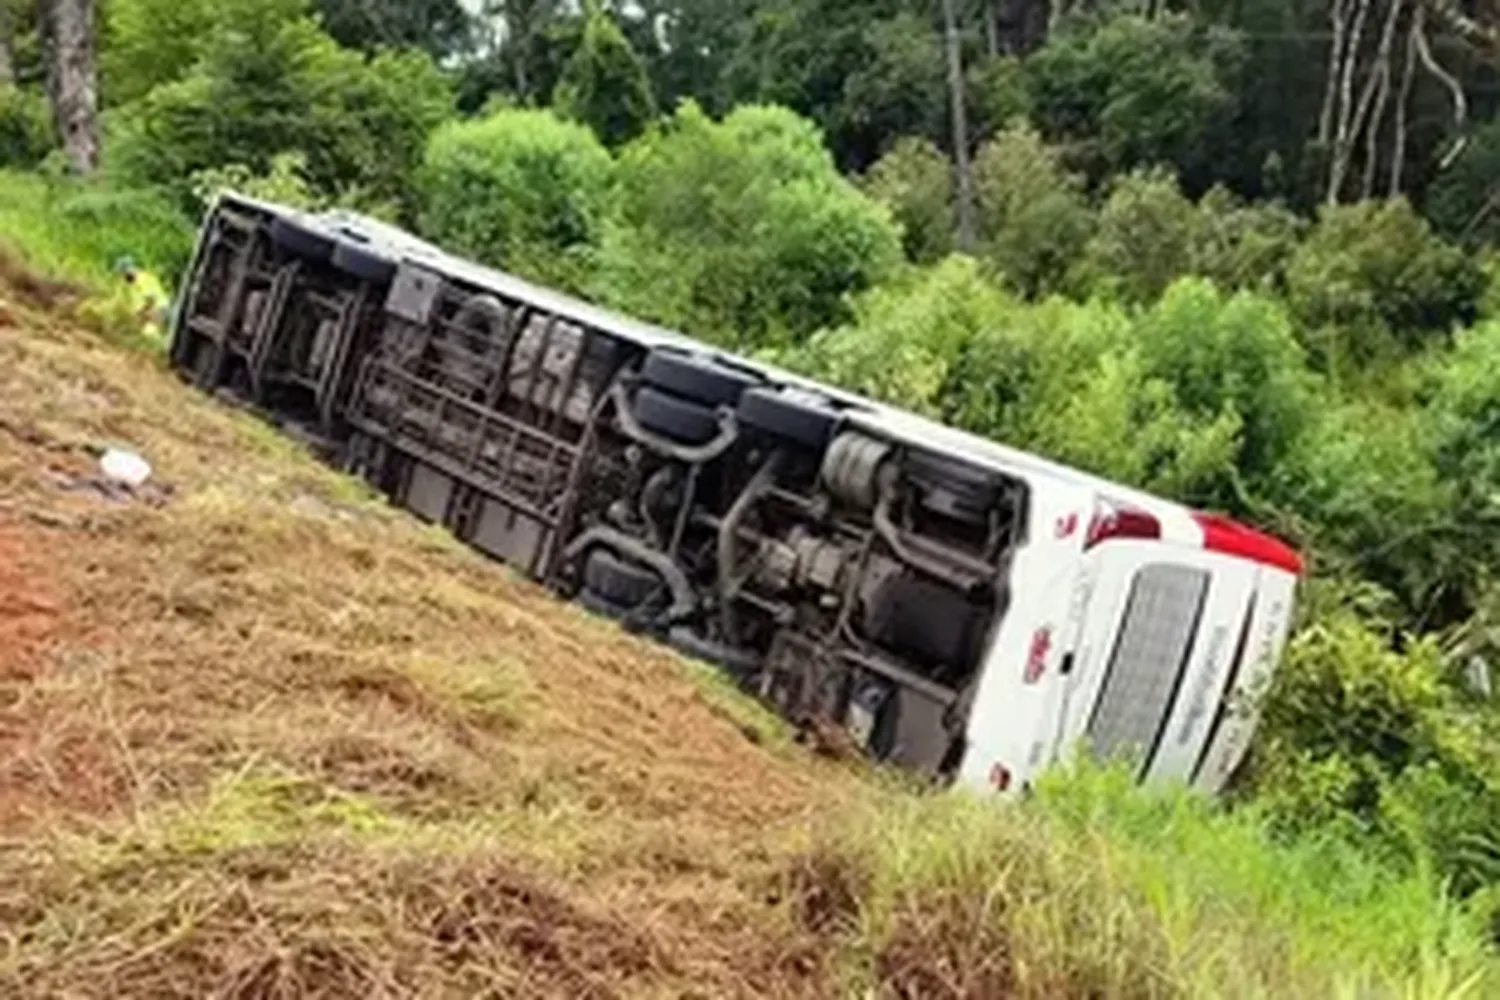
261	736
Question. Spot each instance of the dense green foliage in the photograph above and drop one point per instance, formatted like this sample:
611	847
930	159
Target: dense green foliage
741	230
266	84
520	189
25	127
604	83
1180	276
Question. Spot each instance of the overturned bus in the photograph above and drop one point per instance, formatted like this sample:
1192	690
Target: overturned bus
952	605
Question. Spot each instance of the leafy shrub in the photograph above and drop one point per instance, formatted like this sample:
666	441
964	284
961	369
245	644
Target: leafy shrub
1463	415
147	43
1033	219
999	93
915	181
1460	202
26	132
285	183
1146	235
264	88
1363	738
1373	276
79	229
524	190
741	231
1242	245
905	339
1234	354
1363	480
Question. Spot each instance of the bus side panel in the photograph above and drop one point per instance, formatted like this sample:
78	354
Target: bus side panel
1019	699
1265	639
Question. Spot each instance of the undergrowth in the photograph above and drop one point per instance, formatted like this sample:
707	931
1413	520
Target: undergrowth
1097	888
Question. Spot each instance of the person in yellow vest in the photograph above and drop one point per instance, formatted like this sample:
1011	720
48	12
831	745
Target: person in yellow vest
146	297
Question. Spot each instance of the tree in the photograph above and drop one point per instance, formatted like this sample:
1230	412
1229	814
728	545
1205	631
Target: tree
72	80
1136	91
604	84
1242	245
7	44
1033	219
264	87
441	27
959	113
1372	279
897	90
915	181
520	189
1145	237
741	231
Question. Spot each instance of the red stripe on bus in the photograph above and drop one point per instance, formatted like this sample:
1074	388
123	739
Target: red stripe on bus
1223	535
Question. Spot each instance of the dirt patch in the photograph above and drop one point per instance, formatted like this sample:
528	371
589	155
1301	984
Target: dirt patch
55	756
946	948
825	890
35	289
28	604
564	949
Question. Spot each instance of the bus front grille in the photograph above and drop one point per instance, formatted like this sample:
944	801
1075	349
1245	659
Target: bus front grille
1150	655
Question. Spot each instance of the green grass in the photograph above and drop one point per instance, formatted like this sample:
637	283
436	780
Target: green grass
77	231
1097	888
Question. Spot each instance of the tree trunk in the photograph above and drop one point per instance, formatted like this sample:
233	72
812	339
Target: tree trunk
960	130
7	53
72	81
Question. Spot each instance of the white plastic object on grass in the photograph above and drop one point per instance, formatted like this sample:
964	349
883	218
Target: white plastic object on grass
125	467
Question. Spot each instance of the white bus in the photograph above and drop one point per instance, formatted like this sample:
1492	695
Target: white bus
938	600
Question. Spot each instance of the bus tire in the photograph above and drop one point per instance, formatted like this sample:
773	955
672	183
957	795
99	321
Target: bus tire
674	417
621	583
694	379
776	414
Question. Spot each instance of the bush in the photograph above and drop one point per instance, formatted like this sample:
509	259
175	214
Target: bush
1244	246
915	181
741	231
1033	219
523	190
268	88
1372	277
1463	416
1146	235
906	338
1364	739
26	133
1236	354
1363	480
1460	201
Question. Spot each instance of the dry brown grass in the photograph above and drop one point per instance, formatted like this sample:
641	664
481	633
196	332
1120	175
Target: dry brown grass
263	737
